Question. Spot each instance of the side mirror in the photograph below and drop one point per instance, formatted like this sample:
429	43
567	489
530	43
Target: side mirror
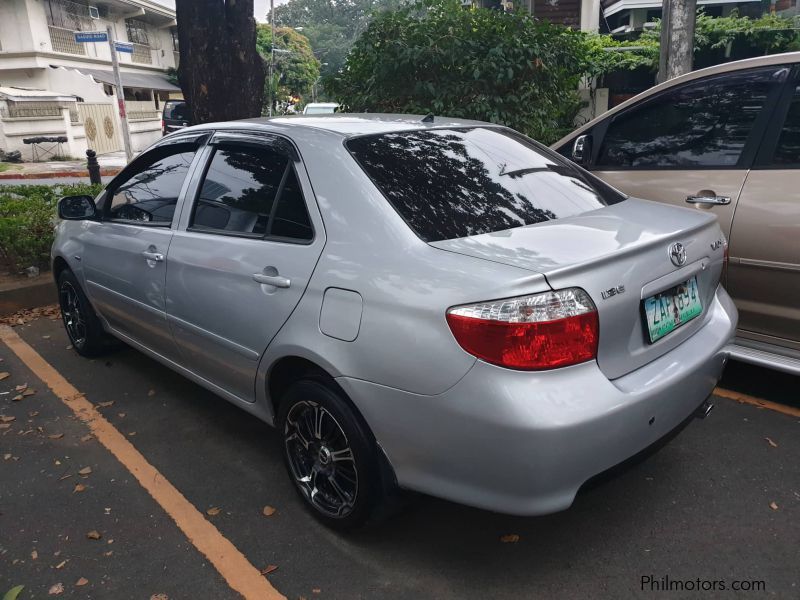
76	208
582	149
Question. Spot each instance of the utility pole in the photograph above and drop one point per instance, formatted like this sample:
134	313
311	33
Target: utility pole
271	51
677	38
123	114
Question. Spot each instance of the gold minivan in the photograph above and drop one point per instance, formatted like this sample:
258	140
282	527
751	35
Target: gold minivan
726	140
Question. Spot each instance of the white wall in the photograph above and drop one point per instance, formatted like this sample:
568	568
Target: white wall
70	81
13	131
15	32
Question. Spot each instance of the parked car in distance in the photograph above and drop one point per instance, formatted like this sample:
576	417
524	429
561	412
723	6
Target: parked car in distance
320	108
436	304
725	141
175	116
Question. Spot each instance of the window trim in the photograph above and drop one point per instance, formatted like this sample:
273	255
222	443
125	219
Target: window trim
769	143
751	144
278	144
145	160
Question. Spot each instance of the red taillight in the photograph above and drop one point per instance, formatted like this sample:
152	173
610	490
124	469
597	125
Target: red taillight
542	331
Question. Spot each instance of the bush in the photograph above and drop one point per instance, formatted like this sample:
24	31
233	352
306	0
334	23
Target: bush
27	222
484	64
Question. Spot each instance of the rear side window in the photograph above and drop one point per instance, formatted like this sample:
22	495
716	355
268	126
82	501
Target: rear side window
252	191
702	124
177	111
788	150
452	183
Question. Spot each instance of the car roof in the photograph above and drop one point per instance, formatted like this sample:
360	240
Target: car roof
729	67
344	124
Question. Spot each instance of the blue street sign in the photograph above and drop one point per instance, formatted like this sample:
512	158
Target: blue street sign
123	47
83	37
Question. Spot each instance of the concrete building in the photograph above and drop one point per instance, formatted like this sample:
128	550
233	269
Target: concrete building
42	66
578	14
625	16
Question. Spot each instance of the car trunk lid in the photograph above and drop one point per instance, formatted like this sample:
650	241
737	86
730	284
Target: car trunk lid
619	255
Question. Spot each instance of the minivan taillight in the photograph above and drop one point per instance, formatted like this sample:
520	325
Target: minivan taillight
536	332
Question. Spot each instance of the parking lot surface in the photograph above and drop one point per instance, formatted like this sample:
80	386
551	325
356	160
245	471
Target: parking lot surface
719	504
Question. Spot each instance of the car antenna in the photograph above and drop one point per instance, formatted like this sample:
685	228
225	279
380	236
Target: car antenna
428	118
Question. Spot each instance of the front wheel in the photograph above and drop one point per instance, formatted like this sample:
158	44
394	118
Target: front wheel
329	453
81	322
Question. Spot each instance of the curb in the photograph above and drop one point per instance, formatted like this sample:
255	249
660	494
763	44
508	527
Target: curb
58	174
41	293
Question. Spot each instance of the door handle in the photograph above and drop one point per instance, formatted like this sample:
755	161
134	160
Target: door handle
154	256
712	200
276	280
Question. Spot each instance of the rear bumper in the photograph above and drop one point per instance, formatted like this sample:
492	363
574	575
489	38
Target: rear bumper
524	443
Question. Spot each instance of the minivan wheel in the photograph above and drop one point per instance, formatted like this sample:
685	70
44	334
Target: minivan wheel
329	454
81	322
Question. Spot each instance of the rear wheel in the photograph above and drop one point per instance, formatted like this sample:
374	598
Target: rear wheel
329	454
81	322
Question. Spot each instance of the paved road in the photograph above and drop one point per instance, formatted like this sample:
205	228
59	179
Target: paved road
699	509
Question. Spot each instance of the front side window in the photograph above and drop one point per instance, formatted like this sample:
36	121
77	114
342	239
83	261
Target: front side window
151	193
452	183
788	150
701	124
252	191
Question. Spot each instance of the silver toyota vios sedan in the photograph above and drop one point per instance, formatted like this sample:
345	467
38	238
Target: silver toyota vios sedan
436	304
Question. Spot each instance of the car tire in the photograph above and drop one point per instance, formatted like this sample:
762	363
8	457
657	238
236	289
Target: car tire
83	326
329	453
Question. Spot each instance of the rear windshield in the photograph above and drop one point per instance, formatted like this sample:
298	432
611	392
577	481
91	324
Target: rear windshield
175	111
453	183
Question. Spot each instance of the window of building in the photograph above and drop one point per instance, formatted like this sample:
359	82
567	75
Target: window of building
137	32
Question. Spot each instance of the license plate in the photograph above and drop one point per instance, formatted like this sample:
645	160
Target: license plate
670	309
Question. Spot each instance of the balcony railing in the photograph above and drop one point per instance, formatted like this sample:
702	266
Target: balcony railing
142	54
23	112
63	40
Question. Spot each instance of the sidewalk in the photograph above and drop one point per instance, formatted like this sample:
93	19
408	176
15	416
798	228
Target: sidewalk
110	164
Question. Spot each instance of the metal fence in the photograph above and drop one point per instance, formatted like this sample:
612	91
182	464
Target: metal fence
142	54
143	115
63	40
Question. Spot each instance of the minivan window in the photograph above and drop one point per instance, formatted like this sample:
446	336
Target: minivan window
788	150
453	183
151	193
701	124
176	110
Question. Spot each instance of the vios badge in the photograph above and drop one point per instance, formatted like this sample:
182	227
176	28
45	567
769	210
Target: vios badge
677	254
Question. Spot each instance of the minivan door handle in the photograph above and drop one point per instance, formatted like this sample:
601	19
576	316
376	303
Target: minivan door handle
276	280
713	200
154	256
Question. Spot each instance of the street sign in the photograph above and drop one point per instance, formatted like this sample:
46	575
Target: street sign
123	47
83	37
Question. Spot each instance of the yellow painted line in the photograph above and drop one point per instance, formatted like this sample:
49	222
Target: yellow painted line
234	567
759	402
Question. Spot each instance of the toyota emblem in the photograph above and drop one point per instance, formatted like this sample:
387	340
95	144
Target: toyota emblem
677	254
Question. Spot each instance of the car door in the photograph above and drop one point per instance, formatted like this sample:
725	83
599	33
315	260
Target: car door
242	258
124	255
690	145
764	268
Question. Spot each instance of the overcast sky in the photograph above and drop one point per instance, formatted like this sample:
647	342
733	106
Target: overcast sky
260	7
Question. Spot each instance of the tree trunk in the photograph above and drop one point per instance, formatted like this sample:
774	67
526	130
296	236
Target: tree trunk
677	38
221	73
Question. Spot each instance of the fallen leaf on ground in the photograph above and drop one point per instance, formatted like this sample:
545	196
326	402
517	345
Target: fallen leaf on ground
82	581
511	538
34	555
7	418
131	433
56	436
85	471
151	393
21	388
6	456
33	413
18	397
159	597
269	569
316	591
5	425
61	564
56	589
13	593
4	375
105	404
79	487
213	511
773	506
93	535
269	511
109	553
45	337
121	415
771	443
29	392
87	437
65	477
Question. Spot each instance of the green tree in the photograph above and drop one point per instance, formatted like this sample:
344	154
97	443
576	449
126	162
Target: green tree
484	64
296	67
